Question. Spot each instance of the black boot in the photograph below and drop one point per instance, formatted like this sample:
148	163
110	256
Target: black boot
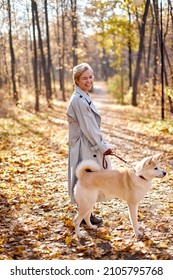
94	220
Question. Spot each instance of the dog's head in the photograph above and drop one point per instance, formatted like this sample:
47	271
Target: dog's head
149	167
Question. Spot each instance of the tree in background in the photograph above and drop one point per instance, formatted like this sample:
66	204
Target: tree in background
74	22
48	67
12	54
35	60
140	52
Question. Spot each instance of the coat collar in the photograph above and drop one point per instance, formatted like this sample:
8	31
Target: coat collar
79	91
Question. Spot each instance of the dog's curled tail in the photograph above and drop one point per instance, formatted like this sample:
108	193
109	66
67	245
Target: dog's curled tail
87	166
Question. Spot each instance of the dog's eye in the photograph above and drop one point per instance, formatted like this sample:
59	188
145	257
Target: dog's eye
155	168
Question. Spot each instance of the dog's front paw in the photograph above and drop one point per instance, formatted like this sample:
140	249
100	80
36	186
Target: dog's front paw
79	234
139	234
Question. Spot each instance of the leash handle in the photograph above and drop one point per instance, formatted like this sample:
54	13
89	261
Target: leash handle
104	162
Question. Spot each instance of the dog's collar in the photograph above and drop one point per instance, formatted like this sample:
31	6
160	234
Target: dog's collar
142	177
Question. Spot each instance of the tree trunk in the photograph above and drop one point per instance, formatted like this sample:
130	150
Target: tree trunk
168	58
35	62
149	51
63	50
5	78
43	60
130	50
48	68
59	47
159	26
74	31
13	61
139	58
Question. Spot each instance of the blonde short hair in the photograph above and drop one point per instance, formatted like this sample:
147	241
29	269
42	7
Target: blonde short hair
79	69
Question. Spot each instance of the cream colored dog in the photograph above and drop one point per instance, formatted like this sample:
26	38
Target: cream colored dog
128	185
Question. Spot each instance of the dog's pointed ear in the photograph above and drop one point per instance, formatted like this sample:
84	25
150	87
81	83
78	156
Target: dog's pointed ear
157	157
148	161
144	162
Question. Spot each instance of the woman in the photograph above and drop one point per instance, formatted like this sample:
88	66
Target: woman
85	139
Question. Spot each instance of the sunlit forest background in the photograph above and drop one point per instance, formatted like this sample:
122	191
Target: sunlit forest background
129	46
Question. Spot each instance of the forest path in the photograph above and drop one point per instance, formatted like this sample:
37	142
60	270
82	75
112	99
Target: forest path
36	217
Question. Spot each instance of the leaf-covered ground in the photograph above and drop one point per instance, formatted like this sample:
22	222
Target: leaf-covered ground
35	211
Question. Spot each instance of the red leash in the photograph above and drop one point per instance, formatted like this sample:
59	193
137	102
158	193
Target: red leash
105	163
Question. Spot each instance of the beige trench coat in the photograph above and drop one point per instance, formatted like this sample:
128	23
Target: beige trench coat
85	139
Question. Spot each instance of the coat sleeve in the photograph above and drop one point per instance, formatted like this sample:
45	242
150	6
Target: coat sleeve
88	125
